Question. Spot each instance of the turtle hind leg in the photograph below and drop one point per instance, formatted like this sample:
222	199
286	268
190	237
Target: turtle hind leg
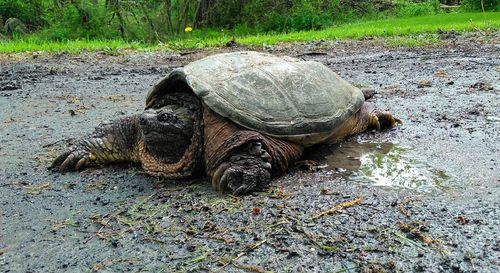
367	118
368	93
381	120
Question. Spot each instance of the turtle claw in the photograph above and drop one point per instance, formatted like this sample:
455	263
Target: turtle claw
59	160
383	120
244	173
244	189
71	160
244	179
82	163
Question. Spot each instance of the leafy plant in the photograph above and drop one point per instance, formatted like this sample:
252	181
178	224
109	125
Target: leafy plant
478	5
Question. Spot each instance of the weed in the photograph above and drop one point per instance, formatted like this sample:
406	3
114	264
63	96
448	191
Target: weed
65	223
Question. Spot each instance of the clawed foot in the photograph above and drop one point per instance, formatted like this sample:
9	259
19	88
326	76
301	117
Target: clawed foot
74	159
84	153
245	172
383	120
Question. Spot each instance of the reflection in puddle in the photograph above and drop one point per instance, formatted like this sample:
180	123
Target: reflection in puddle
384	164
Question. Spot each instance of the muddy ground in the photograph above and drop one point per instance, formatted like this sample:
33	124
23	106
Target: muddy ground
423	197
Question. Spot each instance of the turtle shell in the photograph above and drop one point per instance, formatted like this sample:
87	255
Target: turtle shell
283	97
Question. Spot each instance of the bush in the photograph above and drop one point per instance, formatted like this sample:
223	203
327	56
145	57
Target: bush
14	26
308	15
28	11
411	8
282	15
154	20
475	5
82	20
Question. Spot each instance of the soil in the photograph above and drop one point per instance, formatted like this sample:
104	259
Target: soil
423	197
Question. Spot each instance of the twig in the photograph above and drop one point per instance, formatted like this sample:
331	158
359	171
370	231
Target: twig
57	142
187	53
279	223
247	250
313	238
338	207
37	189
416	232
255	246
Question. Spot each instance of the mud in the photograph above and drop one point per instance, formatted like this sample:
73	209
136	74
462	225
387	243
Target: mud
423	197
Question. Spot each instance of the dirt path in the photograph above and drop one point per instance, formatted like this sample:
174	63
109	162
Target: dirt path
438	211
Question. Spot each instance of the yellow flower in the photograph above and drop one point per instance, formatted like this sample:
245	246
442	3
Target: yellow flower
188	29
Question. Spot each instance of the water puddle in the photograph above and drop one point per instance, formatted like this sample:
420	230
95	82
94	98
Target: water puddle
384	164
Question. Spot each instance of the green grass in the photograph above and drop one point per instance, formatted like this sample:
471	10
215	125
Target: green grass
401	31
33	44
388	28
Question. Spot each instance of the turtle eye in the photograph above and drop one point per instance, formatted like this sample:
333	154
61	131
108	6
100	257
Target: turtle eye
166	117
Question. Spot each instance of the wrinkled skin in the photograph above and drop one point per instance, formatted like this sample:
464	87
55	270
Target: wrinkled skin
117	141
166	133
110	142
244	172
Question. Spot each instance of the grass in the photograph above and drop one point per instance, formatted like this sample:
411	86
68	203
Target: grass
388	28
32	44
397	28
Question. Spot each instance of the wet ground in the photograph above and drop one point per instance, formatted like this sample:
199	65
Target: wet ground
423	197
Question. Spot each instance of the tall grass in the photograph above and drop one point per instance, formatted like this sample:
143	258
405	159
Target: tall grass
209	38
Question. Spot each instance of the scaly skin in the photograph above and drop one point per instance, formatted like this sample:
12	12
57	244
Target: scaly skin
240	161
245	171
367	118
167	142
111	142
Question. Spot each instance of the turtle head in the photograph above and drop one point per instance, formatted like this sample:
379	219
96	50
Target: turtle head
167	131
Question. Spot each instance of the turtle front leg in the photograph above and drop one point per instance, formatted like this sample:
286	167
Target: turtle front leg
245	171
111	142
243	161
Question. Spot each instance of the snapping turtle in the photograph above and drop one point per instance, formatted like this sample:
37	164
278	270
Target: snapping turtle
240	118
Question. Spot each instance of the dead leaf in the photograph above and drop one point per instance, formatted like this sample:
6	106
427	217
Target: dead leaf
256	211
338	207
424	83
462	220
441	74
37	189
